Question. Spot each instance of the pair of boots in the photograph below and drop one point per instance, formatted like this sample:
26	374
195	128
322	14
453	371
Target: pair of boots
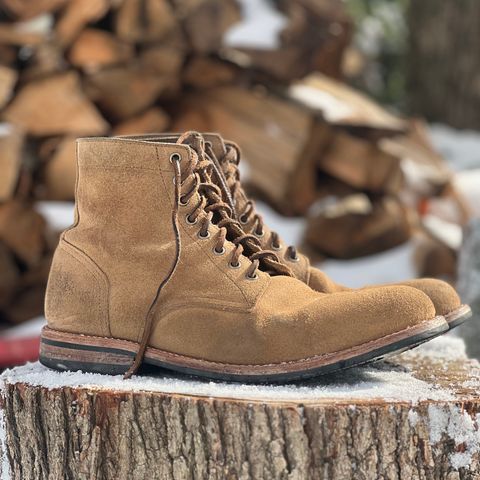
168	264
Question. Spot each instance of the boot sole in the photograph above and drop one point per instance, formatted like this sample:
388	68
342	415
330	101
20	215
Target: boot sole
458	316
66	351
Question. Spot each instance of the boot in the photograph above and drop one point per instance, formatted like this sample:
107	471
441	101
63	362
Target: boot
226	156
146	275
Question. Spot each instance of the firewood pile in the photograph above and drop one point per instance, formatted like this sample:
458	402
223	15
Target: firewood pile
26	243
317	148
100	67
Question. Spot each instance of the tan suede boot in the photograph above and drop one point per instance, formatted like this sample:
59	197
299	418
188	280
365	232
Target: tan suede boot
226	156
443	296
146	274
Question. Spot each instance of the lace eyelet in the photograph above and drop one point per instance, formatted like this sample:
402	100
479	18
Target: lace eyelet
219	252
243	220
175	157
183	203
294	259
203	237
190	221
234	265
276	247
259	235
252	277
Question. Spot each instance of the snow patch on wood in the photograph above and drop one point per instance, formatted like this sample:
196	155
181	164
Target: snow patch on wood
260	27
4	465
379	381
454	423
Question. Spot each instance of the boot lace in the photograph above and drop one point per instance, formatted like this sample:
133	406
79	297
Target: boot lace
194	177
229	178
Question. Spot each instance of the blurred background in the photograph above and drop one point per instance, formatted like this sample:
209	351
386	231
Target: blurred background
359	123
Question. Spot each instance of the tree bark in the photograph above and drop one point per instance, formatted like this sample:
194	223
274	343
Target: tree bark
444	67
99	433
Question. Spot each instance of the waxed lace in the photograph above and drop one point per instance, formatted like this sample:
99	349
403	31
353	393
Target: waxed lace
192	178
233	188
230	228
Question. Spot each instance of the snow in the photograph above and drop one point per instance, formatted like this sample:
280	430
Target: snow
4	465
59	215
41	24
5	129
413	418
446	348
454	423
378	381
333	110
259	28
24	330
449	233
461	149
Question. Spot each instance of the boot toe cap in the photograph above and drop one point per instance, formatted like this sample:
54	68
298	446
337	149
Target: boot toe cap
443	296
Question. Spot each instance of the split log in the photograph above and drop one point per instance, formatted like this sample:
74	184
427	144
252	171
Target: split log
142	21
274	134
45	59
22	230
425	171
293	146
205	72
9	276
55	105
11	145
94	49
76	15
314	39
361	163
357	226
122	92
8	55
206	21
152	121
434	259
60	171
165	59
28	300
19	36
343	106
26	9
414	419
8	78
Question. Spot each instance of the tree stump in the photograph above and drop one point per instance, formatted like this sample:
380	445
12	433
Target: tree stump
415	417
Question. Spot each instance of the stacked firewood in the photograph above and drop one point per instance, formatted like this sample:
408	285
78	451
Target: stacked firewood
71	68
26	243
317	148
89	67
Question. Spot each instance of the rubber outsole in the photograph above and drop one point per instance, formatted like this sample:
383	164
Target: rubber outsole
61	352
458	316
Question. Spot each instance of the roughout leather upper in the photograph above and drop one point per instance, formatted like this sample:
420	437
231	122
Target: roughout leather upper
443	295
109	265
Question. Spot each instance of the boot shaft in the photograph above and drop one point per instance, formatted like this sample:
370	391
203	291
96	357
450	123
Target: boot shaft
109	265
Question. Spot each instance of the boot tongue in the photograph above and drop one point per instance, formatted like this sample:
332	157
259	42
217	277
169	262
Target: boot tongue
216	141
195	141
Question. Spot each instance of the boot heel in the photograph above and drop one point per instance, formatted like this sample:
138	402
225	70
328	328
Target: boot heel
68	351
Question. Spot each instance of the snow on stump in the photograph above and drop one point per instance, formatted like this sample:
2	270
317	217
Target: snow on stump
413	418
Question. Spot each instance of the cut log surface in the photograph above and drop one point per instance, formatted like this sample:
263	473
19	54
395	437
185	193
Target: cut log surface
341	105
55	105
413	418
